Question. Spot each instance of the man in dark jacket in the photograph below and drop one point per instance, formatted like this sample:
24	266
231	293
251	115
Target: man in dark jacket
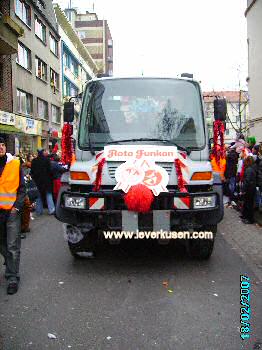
12	194
41	174
249	190
231	171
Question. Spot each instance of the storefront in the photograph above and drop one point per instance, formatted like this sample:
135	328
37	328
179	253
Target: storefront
30	140
10	132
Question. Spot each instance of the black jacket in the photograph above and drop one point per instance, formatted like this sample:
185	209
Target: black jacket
231	165
249	183
259	171
57	170
41	173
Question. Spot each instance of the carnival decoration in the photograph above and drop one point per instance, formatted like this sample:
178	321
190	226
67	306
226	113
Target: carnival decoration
139	198
139	177
218	155
67	144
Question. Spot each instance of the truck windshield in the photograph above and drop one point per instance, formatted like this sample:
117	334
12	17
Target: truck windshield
142	108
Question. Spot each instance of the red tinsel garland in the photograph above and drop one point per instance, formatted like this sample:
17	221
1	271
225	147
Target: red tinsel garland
180	180
218	150
67	144
98	180
139	198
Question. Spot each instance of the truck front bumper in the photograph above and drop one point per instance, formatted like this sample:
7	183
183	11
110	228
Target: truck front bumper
106	210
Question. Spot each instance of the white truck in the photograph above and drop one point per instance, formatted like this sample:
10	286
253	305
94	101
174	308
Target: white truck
159	117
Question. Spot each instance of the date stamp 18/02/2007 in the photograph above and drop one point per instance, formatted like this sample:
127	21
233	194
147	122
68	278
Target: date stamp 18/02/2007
245	310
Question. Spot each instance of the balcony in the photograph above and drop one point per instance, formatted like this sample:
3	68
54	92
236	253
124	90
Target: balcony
9	33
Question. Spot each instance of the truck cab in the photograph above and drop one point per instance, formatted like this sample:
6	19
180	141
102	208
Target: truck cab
141	114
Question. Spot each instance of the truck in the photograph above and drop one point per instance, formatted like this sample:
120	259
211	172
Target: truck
126	121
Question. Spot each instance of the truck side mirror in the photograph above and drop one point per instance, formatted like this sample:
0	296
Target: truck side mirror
69	112
220	109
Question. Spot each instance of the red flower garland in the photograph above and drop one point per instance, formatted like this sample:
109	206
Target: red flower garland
180	180
67	144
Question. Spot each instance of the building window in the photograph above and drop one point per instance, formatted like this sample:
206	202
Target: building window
66	60
40	30
40	69
42	109
71	63
70	89
227	131
56	116
81	34
53	45
24	102
54	79
74	67
23	11
40	4
24	57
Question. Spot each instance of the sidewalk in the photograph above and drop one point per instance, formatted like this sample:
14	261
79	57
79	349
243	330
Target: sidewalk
245	239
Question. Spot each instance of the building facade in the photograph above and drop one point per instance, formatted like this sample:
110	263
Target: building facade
10	31
254	29
96	36
36	74
77	65
237	112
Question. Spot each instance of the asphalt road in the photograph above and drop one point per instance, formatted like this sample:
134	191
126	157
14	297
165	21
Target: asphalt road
118	301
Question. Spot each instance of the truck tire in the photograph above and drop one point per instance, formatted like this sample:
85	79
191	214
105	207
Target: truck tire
202	249
85	247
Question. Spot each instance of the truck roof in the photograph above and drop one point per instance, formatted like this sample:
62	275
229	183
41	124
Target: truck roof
142	78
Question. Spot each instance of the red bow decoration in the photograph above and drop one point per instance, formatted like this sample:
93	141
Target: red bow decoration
139	198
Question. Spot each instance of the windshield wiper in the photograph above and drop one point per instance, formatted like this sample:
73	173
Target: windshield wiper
188	151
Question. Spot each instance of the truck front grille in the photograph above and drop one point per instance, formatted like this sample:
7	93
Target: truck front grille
112	166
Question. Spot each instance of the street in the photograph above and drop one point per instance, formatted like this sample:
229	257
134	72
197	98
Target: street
119	301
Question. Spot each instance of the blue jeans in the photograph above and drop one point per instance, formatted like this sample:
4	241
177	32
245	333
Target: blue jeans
49	201
232	187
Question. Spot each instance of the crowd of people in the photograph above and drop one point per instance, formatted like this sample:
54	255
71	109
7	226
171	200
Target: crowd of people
243	178
42	173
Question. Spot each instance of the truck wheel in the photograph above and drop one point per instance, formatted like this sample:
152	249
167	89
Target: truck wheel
85	247
73	251
202	249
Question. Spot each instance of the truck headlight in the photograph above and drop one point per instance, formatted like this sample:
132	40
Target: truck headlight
75	202
204	202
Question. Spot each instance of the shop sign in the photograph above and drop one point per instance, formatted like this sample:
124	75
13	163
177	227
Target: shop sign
7	118
29	125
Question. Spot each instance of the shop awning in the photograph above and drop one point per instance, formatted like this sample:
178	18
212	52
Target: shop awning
7	129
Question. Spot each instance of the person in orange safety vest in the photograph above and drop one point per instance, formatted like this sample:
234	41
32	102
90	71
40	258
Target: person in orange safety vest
12	194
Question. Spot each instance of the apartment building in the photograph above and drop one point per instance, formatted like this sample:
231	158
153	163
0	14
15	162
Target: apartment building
36	83
96	36
77	65
10	31
237	112
254	29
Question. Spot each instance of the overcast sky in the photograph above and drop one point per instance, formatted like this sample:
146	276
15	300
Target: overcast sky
169	37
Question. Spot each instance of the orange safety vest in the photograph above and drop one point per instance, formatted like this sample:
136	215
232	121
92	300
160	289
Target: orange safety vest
9	183
219	168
